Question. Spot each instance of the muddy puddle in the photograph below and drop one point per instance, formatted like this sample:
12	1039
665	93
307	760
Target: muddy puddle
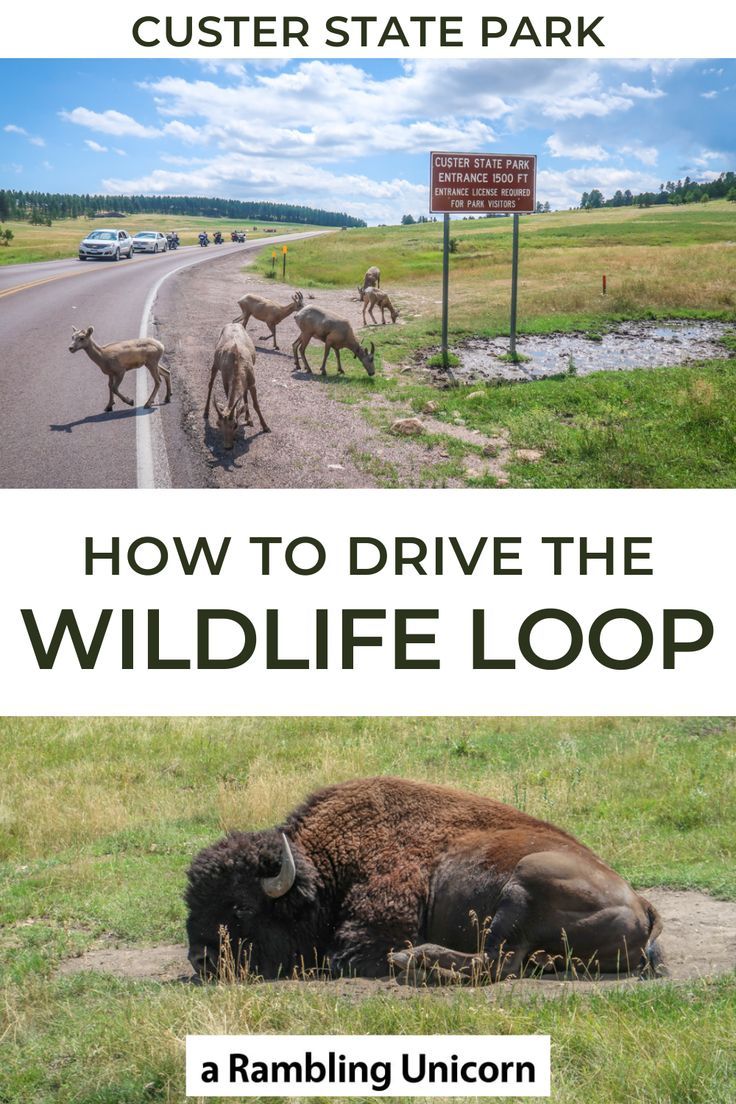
698	938
629	345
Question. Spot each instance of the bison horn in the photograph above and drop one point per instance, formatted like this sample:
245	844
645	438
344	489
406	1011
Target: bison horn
282	882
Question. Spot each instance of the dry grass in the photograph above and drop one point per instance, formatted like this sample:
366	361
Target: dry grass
61	239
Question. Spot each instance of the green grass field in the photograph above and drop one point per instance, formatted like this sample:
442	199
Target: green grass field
670	427
99	819
61	239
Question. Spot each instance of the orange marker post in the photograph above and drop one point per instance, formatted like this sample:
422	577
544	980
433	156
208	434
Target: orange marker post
284	251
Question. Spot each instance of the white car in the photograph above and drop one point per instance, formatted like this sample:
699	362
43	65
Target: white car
108	244
149	241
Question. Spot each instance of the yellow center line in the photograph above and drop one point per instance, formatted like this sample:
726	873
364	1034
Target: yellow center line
37	283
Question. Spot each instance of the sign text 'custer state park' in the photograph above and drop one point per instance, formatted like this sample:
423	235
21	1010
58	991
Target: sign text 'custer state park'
482	183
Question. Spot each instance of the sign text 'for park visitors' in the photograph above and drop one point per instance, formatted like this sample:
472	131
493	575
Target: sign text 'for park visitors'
482	183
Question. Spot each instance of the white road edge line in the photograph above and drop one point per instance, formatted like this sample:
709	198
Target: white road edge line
152	461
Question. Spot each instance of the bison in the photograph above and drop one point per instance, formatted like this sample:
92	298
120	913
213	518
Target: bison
384	873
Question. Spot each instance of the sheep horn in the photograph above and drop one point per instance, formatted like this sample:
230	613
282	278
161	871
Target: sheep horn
282	882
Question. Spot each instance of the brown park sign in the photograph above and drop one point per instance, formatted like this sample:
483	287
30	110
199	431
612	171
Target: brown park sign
483	183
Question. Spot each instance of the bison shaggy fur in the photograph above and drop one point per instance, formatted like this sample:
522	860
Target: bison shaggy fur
384	873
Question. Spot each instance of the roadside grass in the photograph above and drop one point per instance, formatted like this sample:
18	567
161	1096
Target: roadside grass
660	427
668	427
99	819
61	239
658	259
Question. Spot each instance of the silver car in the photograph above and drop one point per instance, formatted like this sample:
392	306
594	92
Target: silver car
107	244
149	241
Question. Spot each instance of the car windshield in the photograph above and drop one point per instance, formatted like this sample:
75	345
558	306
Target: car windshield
102	235
145	234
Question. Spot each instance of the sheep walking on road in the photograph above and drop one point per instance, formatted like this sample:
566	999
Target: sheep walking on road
122	356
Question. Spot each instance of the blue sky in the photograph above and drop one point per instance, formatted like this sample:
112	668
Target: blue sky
354	135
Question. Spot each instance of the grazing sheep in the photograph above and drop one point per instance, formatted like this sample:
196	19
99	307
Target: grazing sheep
234	360
371	298
335	332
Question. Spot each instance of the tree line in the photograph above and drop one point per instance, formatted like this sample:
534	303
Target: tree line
676	192
44	207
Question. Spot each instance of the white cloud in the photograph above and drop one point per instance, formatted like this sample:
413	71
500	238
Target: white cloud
119	152
33	139
109	122
648	155
564	188
559	147
639	93
577	107
94	146
185	133
711	95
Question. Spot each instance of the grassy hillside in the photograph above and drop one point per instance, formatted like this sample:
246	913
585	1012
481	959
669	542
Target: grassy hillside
61	239
99	819
663	260
668	427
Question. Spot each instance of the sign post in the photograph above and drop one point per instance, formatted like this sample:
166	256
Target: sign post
514	284
482	184
445	287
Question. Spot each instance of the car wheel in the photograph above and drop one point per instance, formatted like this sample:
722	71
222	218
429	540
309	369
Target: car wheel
117	255
83	258
155	248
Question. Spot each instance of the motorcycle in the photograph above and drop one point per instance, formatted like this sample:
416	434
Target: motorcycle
218	238
203	239
172	240
234	236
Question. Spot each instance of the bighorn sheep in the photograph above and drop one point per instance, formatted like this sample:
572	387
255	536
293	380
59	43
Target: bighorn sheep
372	277
120	357
337	334
265	310
372	297
234	359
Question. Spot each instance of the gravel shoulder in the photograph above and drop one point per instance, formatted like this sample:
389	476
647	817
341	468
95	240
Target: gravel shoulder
316	440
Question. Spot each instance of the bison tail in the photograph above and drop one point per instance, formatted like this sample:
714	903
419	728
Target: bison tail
653	963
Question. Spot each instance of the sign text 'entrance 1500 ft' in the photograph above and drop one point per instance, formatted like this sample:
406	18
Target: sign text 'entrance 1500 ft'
483	183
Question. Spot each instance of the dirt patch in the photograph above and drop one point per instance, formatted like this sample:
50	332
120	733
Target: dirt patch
161	963
315	440
627	346
699	940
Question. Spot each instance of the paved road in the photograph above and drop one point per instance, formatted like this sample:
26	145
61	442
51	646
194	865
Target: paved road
53	429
